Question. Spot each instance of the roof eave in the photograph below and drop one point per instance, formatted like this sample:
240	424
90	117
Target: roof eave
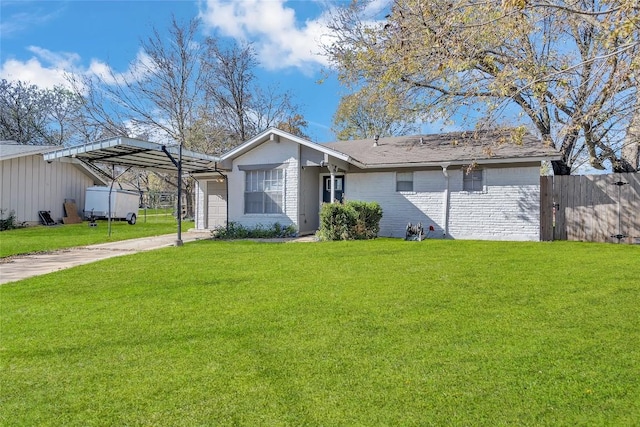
462	162
264	137
35	152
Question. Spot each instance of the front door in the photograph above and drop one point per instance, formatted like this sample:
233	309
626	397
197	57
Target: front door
339	188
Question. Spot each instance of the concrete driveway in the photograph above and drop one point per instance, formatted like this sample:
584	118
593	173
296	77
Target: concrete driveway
24	266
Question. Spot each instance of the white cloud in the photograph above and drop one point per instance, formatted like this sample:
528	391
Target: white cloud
34	72
280	40
47	69
137	69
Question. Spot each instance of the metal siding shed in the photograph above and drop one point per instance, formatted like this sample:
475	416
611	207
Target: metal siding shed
29	184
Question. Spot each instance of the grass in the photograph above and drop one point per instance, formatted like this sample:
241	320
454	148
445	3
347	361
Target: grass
381	332
42	239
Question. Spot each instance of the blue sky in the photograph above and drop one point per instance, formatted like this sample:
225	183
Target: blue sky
41	40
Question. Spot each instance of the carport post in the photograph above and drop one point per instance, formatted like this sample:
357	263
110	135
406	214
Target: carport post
178	165
179	239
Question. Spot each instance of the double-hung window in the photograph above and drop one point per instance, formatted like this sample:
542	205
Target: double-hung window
264	191
472	180
404	181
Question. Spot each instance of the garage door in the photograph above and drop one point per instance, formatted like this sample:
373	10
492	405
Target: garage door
216	204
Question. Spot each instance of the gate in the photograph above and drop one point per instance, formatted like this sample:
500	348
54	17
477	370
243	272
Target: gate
591	208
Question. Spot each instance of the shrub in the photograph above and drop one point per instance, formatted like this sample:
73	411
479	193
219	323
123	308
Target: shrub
354	220
9	223
336	221
237	231
368	216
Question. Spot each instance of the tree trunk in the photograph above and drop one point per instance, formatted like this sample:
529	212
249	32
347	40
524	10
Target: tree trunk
189	192
560	167
630	153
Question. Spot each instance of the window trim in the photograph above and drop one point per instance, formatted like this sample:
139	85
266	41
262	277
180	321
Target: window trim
404	181
261	179
468	180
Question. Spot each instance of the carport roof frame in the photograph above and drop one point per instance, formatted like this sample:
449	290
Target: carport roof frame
137	153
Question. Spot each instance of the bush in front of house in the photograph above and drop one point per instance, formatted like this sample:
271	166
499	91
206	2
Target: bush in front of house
353	220
237	231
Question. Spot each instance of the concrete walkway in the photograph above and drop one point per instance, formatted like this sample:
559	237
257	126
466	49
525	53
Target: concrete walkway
24	266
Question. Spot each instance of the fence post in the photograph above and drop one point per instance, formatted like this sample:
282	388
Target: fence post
546	208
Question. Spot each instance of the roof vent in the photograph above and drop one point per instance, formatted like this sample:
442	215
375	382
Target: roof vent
421	141
375	140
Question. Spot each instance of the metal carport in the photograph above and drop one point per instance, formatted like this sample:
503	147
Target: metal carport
130	152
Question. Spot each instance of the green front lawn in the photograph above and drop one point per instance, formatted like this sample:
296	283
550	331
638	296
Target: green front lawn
367	333
41	238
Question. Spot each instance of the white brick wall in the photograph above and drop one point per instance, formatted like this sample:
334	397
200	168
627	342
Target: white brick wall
507	210
398	209
267	153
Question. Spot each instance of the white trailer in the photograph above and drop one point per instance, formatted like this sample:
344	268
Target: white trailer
124	203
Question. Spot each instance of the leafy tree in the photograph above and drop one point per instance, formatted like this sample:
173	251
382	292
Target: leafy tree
630	152
294	125
367	113
31	115
563	66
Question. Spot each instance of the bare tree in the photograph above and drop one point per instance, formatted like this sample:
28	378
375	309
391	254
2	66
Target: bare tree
159	96
237	103
185	91
160	92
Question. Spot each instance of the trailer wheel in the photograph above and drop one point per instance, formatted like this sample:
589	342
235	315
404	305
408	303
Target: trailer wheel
131	218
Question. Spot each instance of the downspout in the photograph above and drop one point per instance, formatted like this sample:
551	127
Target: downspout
445	202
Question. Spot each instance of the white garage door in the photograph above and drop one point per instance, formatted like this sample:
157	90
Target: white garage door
216	204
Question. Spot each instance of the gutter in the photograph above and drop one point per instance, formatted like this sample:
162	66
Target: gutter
451	163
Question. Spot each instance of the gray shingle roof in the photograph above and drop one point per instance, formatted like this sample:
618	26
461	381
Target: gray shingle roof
456	147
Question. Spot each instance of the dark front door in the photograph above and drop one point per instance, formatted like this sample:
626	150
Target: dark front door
326	188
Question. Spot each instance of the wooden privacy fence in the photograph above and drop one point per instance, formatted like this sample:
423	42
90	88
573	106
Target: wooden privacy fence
591	208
